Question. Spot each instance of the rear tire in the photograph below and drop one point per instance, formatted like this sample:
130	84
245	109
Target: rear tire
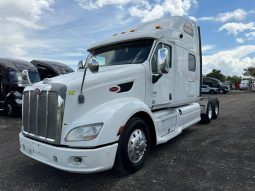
206	118
133	147
216	110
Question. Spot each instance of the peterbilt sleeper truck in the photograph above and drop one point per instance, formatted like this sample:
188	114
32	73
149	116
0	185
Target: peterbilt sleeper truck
50	69
12	83
136	90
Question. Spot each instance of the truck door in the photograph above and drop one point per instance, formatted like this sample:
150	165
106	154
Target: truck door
163	88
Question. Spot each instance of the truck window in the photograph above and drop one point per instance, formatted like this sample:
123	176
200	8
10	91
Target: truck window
169	57
133	52
188	28
192	62
154	59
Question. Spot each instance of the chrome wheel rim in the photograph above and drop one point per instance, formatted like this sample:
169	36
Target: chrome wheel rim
137	145
210	111
216	109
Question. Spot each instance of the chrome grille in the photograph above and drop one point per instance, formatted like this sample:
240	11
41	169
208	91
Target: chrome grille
42	116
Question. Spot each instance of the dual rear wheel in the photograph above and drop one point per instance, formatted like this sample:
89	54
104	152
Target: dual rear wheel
212	111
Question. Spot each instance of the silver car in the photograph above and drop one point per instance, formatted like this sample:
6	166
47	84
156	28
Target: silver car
208	89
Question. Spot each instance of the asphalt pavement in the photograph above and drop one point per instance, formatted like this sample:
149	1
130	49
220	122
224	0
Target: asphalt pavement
217	156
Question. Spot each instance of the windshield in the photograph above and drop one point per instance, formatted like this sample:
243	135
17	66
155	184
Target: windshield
34	76
16	77
123	53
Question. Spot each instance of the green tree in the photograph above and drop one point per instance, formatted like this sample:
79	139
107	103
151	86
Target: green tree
234	79
216	74
250	71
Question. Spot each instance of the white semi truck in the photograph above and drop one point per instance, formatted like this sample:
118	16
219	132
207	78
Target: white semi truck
136	90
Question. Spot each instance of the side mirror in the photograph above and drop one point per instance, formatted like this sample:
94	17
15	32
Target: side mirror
80	65
93	65
25	76
162	61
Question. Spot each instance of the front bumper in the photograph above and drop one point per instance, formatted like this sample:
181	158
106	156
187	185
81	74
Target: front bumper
92	160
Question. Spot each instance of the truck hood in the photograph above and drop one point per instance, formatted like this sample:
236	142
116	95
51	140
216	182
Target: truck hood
106	73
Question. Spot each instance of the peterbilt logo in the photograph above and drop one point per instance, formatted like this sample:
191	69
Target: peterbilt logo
37	91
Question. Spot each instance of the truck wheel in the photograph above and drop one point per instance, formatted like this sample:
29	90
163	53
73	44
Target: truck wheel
206	118
221	91
216	110
133	147
10	109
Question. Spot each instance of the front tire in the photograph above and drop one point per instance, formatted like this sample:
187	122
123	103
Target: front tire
10	109
133	147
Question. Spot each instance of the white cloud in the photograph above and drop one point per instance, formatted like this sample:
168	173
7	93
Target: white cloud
250	35
236	15
156	11
147	14
230	62
24	22
235	28
193	18
240	40
96	4
30	10
206	48
18	19
144	9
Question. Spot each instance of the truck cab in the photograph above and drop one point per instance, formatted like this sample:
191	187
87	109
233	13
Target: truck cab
49	69
137	89
12	83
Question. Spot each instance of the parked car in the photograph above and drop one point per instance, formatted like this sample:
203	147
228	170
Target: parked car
208	89
215	83
12	83
49	69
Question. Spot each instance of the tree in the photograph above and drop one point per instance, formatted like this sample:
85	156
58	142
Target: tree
234	79
250	71
216	74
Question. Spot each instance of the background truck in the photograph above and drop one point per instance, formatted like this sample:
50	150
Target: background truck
136	90
245	85
12	84
49	69
215	83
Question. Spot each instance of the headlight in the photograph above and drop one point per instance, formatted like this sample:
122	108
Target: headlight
18	101
84	133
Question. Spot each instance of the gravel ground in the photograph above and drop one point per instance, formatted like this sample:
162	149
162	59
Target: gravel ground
217	156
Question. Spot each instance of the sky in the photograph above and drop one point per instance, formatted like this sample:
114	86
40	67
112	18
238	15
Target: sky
61	30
